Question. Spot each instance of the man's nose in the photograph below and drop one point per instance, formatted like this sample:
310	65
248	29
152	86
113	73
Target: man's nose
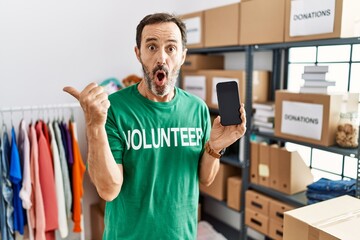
161	59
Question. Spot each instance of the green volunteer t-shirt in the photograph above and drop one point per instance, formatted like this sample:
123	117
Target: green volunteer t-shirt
160	146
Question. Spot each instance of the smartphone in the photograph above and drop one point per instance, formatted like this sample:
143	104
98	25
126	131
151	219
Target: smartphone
229	103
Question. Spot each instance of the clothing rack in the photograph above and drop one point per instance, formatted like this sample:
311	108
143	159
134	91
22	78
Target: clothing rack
39	107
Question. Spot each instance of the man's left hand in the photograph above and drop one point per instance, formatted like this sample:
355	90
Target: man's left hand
223	136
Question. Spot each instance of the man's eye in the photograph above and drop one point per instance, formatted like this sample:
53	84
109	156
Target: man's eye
172	49
151	47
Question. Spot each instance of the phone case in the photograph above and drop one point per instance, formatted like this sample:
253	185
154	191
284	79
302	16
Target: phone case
228	102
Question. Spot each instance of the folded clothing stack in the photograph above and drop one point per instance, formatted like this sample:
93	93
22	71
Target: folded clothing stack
325	189
207	232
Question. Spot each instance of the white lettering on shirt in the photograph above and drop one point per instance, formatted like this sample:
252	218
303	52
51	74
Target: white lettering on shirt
159	138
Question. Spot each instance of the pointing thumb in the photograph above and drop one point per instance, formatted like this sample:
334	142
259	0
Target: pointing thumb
72	91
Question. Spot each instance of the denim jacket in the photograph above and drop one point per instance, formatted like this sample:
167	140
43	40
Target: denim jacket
6	190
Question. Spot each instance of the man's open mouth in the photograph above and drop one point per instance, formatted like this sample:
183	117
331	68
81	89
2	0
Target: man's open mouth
160	75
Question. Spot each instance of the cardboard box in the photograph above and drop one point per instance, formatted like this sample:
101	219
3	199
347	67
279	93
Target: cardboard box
260	84
97	222
260	88
277	209
306	117
257	202
254	162
218	188
222	26
264	164
199	62
337	218
195	83
194	29
293	174
257	221
317	20
234	192
275	168
262	21
276	230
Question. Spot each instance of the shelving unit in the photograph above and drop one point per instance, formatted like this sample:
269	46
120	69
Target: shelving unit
279	66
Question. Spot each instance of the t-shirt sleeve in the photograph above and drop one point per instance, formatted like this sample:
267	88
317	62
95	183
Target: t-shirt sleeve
114	137
207	126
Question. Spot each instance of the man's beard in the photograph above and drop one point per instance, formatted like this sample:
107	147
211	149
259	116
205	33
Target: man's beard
160	91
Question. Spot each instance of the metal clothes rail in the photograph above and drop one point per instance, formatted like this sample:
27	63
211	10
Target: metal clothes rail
39	107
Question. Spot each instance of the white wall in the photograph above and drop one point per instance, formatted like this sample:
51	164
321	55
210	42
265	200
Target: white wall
46	45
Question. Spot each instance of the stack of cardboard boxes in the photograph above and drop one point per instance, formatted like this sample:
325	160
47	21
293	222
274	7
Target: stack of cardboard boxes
265	214
218	188
262	22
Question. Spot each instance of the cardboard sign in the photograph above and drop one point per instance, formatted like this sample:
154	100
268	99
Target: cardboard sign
196	85
302	119
309	17
193	30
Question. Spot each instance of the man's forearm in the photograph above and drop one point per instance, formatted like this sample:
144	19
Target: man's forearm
105	173
209	167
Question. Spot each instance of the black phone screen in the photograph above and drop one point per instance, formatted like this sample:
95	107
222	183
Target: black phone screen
229	103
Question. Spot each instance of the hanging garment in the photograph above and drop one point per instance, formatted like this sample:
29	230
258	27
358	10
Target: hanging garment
69	145
16	178
78	174
25	192
37	212
69	150
47	182
2	201
7	190
45	132
59	185
64	169
3	230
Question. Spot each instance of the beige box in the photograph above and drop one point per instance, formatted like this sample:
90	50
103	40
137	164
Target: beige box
262	21
218	188
345	20
294	174
97	222
276	229
257	202
260	84
199	62
257	221
222	26
264	164
337	218
277	209
194	29
234	192
330	105
254	162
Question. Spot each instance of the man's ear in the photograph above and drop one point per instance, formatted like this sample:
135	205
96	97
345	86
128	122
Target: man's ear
137	53
183	56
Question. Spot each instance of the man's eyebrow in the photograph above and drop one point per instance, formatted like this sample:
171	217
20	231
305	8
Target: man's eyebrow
151	39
